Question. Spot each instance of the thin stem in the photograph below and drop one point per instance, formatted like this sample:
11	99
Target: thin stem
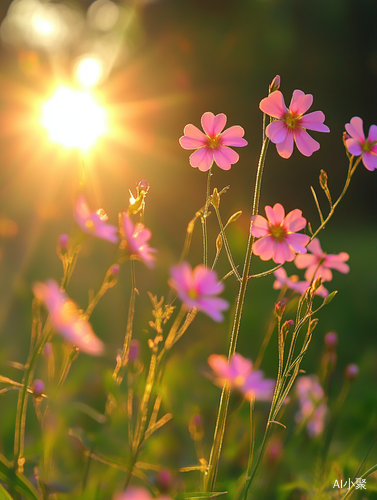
226	244
224	400
204	219
251	451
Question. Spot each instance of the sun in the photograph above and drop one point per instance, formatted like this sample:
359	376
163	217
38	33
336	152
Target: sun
73	118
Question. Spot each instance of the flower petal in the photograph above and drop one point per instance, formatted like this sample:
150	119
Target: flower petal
181	277
285	148
355	129
260	227
276	214
277	131
202	158
305	144
302	261
314	121
297	242
205	281
315	247
213	125
212	306
233	136
300	102
372	136
354	147
274	105
338	262
265	247
193	138
370	160
283	253
294	221
219	365
225	157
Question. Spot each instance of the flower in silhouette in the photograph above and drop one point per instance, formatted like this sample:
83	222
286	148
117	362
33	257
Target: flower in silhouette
277	234
213	145
94	222
240	375
291	124
357	144
65	318
197	288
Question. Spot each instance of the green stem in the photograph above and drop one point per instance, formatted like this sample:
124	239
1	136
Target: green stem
226	244
204	219
224	400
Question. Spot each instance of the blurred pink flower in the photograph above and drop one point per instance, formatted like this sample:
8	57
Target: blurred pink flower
357	144
135	239
138	493
213	145
65	318
312	408
240	375
291	125
319	263
196	288
278	240
94	222
283	280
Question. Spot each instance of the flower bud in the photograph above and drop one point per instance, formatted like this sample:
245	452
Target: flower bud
275	84
286	326
280	308
134	350
38	388
164	480
351	372
62	245
331	340
114	270
316	284
143	185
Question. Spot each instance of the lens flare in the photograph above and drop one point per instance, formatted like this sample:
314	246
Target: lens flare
73	118
89	71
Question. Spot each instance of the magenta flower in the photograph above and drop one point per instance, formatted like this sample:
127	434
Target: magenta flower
65	318
319	263
240	375
94	222
138	493
291	125
357	144
313	410
278	238
135	241
213	145
197	288
293	284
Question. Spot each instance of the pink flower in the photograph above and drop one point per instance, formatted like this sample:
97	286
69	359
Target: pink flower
213	145
240	375
196	288
357	144
138	493
278	240
312	409
135	240
291	125
94	222
293	283
319	263
65	318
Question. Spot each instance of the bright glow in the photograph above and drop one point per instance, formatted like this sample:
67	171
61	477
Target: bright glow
43	25
74	119
89	71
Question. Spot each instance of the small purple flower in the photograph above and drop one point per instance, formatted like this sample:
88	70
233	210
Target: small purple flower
94	222
196	288
135	240
312	408
240	375
351	372
65	318
357	144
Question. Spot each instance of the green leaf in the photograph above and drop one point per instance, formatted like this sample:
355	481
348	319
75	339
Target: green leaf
233	218
17	480
329	298
4	495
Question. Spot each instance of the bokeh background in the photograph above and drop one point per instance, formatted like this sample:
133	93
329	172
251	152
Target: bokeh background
163	64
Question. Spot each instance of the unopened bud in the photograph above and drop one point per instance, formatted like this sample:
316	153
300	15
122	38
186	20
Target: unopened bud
143	185
62	245
279	308
323	179
275	84
316	284
331	340
38	388
351	372
215	198
134	350
286	327
114	270
164	480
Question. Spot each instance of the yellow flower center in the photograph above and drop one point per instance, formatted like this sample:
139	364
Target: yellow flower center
278	232
367	146
239	381
89	224
193	294
214	142
291	119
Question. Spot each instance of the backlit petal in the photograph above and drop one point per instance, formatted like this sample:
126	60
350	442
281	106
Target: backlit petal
213	125
305	144
233	136
193	137
260	226
274	105
225	157
355	129
297	242
372	136
300	102
212	306
285	148
354	147
265	247
370	160
315	247
202	158
314	121
277	131
294	221
283	253
276	214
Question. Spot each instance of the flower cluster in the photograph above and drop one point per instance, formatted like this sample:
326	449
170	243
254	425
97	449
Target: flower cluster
240	375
